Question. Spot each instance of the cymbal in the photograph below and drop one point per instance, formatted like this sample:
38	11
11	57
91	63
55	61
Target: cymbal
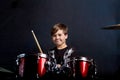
112	27
5	70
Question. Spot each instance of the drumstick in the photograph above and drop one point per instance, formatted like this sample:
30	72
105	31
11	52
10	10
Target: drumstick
37	42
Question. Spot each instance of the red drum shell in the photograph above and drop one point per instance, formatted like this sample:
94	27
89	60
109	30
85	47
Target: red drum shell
21	64
21	67
81	66
41	65
84	66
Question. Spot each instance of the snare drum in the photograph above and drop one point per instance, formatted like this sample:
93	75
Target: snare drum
26	66
82	67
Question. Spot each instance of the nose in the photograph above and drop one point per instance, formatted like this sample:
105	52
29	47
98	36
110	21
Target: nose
56	37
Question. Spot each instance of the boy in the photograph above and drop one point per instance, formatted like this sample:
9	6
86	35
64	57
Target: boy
59	58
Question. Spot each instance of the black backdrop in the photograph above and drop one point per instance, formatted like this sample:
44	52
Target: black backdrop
85	19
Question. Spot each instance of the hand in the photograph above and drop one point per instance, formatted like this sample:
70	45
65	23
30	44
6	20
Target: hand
58	65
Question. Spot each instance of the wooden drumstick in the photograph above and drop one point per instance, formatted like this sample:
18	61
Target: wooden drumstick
37	42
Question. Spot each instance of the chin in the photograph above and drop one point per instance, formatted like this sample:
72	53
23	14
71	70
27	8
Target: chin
58	44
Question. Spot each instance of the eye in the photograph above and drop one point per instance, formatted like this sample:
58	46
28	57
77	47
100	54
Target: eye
54	36
59	34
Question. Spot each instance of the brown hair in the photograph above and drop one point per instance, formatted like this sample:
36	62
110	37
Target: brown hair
59	26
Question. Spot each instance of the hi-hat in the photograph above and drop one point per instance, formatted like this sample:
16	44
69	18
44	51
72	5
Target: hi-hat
112	27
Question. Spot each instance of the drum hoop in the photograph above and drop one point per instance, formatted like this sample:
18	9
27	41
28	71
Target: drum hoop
21	55
84	59
43	55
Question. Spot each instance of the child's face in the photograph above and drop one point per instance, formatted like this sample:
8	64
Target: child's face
59	38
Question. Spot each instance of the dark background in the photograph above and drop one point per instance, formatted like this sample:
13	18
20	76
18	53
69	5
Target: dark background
85	19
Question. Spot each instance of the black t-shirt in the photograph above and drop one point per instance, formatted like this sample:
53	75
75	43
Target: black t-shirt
59	53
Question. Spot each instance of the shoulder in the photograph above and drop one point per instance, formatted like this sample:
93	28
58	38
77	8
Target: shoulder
51	50
73	50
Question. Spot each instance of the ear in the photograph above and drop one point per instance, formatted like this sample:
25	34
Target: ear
66	36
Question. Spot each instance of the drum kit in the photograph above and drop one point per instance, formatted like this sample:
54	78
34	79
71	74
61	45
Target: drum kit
32	66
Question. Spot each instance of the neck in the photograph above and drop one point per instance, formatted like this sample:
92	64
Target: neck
61	46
